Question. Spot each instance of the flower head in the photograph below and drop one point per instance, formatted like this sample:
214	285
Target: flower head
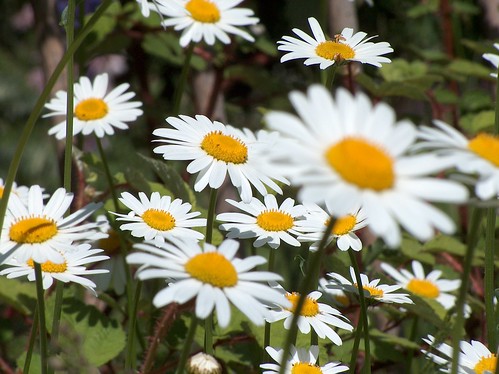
269	222
345	151
493	59
202	363
217	150
345	46
214	276
301	361
95	111
20	191
206	20
159	218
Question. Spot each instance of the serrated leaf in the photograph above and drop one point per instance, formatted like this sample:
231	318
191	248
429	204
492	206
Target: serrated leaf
20	295
427	309
444	243
468	68
414	250
401	70
474	123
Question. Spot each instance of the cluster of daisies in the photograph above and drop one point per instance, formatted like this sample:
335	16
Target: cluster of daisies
351	160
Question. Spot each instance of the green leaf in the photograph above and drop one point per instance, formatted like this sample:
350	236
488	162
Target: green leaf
422	9
469	69
414	250
444	243
427	309
481	121
393	340
401	70
19	295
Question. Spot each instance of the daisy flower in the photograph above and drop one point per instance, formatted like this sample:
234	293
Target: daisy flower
94	110
267	221
317	220
478	155
346	46
208	20
217	150
345	151
321	317
71	269
159	218
427	286
493	59
20	191
40	231
214	276
372	289
301	361
474	357
338	297
203	363
144	7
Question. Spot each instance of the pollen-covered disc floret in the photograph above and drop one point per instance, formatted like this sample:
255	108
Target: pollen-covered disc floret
212	275
207	20
346	46
266	221
71	269
372	289
474	357
40	231
95	110
301	361
321	317
159	217
216	150
346	151
317	220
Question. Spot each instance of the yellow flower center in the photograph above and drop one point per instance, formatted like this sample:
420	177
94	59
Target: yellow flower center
225	148
32	230
342	299
310	307
374	292
273	220
1	192
159	219
111	245
486	146
342	225
331	50
91	109
203	11
486	364
361	163
49	266
423	287
305	368
212	268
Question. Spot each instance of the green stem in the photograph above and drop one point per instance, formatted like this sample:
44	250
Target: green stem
107	171
306	284
330	77
208	334
355	348
31	341
187	346
42	99
179	90
211	216
412	338
57	311
363	312
130	357
489	278
468	257
41	316
266	334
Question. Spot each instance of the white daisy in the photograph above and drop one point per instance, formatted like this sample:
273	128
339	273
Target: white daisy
338	297
478	155
427	286
94	110
211	275
202	363
372	289
301	361
321	317
217	150
267	221
474	357
345	151
317	220
20	191
159	218
41	232
493	59
71	269
144	7
208	20
346	46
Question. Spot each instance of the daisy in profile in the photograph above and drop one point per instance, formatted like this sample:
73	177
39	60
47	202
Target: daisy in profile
474	357
314	315
478	155
95	110
212	275
337	296
207	20
317	220
72	269
301	361
40	231
266	221
427	286
217	150
346	46
493	59
372	289
159	218
345	151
